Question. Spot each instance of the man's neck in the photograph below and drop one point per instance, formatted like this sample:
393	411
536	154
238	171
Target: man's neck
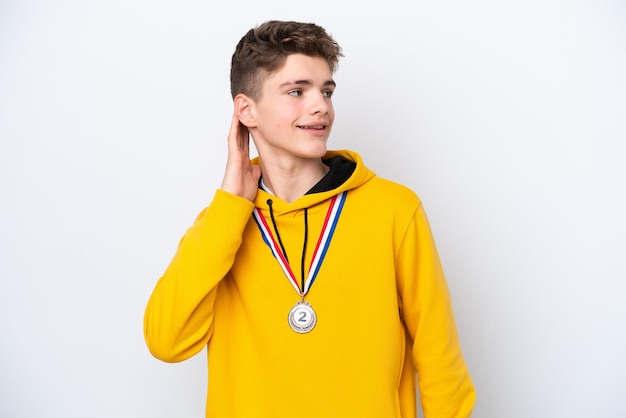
289	182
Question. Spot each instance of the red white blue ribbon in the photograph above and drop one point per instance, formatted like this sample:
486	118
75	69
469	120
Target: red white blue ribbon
323	242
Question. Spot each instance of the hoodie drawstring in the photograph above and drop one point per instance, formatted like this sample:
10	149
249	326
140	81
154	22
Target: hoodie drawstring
270	202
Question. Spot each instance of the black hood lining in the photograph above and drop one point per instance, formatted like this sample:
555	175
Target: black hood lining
340	170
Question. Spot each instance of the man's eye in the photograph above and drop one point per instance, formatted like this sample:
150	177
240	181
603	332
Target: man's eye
328	93
295	93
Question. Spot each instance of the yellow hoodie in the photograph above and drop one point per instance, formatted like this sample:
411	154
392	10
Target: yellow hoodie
381	300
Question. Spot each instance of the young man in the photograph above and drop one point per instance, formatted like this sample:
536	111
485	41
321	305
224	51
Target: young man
314	284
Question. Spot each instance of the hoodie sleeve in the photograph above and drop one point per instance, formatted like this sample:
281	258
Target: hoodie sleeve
178	320
445	385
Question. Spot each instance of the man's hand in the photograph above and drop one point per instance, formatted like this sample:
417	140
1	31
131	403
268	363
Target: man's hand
241	177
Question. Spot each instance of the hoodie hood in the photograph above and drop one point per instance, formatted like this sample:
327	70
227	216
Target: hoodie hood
359	176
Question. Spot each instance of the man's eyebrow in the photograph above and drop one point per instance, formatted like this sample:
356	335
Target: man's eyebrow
308	83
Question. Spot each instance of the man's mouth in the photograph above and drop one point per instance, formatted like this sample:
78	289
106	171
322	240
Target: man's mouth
316	127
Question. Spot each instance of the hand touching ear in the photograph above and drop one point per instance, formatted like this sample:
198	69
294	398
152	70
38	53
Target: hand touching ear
241	177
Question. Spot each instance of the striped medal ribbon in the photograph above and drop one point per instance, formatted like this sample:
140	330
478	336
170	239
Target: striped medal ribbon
302	317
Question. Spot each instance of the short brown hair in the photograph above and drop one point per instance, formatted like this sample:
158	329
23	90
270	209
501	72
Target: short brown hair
263	50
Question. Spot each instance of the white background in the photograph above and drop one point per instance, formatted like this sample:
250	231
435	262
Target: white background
508	118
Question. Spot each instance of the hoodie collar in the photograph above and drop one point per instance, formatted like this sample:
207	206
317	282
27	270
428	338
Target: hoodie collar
347	172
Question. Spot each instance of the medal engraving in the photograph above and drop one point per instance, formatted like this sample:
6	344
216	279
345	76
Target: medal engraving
302	318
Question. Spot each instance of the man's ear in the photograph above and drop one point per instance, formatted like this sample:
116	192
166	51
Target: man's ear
245	110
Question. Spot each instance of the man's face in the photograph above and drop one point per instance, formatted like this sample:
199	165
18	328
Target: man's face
295	113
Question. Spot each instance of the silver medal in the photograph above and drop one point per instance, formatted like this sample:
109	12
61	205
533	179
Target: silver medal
302	317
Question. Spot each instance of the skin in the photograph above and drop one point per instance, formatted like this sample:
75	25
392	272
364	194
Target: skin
290	124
